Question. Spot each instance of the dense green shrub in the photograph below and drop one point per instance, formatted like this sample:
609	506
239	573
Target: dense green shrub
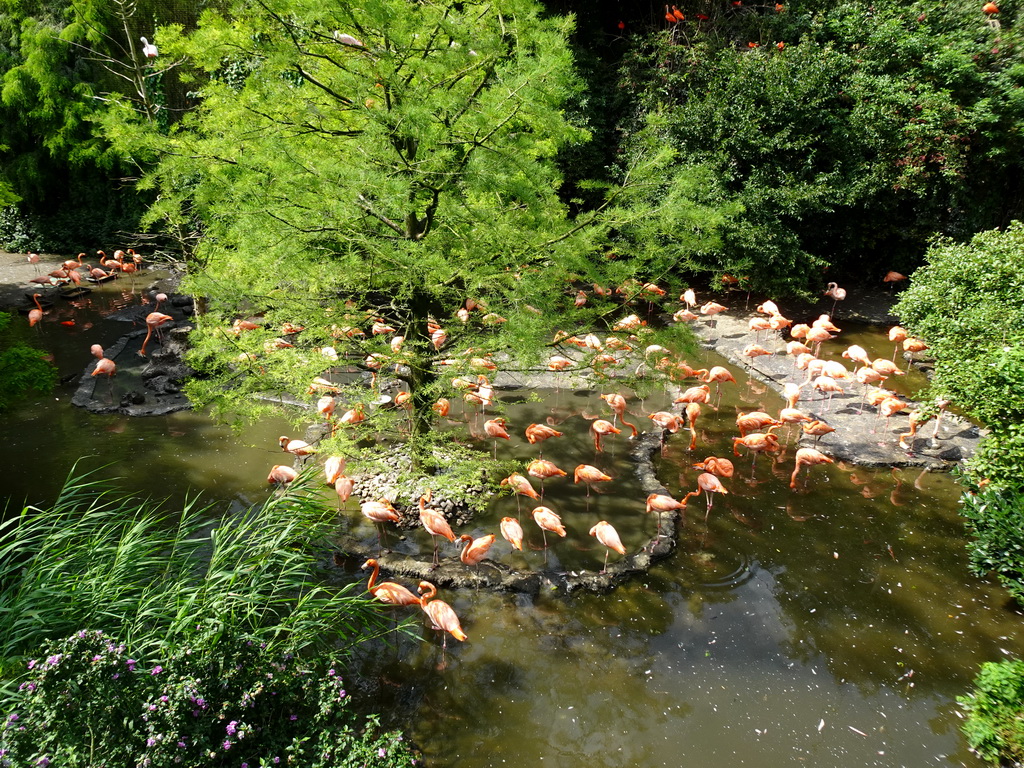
995	520
23	369
875	125
224	701
967	302
995	712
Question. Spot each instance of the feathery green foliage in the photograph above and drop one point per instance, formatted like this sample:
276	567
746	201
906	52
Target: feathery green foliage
23	369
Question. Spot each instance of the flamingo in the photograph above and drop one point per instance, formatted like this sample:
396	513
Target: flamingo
546	518
807	457
600	428
758	442
148	49
768	308
835	293
827	384
495	428
543	469
281	475
35	315
538	433
716	466
379	512
793	416
857	354
325	406
718	374
897	334
441	407
434	523
791	392
512	532
618	405
608	536
710	484
659	502
343	486
442	616
154	321
388	592
521	487
589	474
698	394
754	421
475	550
667	421
334	468
817	428
296	447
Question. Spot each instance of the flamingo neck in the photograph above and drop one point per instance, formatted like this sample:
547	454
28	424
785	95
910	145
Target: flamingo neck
373	578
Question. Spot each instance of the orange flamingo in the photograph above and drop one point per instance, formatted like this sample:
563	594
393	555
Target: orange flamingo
295	447
475	550
589	474
334	467
698	394
600	428
608	536
659	502
692	414
434	523
343	486
512	532
755	421
543	469
379	512
388	592
897	335
758	442
817	429
716	466
281	475
807	457
35	315
537	433
718	374
709	484
442	615
495	428
546	518
618	405
154	321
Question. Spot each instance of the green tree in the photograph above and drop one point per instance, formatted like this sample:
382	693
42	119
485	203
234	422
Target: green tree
384	163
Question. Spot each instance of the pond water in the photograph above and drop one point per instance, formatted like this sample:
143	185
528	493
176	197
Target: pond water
830	625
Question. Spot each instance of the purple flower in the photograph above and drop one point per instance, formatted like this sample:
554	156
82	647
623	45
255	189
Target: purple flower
227	744
277	760
244	765
382	752
157	670
293	717
342	694
150	742
181	744
116	675
53	661
163	698
232	727
131	664
330	673
32	664
12	717
97	657
43	761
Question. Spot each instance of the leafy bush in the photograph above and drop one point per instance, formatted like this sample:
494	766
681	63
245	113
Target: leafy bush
214	702
995	712
23	369
995	519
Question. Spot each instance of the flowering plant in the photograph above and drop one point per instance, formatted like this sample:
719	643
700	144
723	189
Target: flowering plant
219	701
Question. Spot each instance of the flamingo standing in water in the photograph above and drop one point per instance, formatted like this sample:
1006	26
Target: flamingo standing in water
35	315
589	474
543	469
379	512
295	447
495	428
546	518
807	457
618	405
600	428
281	475
442	615
387	591
659	502
434	523
718	374
709	484
512	532
608	536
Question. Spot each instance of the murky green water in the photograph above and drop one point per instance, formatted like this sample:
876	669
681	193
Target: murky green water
831	625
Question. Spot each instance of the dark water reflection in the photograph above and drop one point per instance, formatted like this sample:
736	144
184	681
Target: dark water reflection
830	625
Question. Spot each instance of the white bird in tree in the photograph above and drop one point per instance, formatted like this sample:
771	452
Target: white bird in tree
148	49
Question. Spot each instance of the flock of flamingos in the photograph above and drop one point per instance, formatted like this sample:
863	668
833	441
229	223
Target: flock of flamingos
756	429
